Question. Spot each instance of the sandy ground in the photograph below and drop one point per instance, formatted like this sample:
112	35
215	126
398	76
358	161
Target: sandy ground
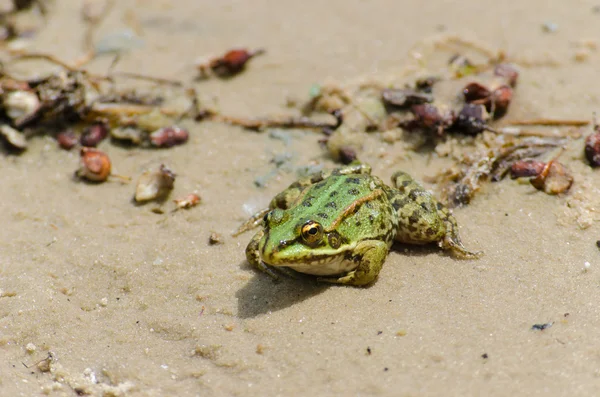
134	303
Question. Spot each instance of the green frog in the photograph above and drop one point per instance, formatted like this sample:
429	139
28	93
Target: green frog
339	225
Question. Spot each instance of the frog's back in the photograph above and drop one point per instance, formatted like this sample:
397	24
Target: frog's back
355	205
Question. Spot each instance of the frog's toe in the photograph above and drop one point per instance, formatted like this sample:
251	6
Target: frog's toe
251	223
355	278
458	249
263	267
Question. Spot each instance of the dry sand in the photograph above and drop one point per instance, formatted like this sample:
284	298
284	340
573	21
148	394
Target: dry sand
134	303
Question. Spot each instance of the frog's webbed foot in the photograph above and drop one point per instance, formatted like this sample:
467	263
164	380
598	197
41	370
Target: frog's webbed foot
371	255
451	240
459	249
251	223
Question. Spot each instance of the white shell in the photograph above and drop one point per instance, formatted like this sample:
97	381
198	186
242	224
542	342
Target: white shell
20	103
154	184
15	138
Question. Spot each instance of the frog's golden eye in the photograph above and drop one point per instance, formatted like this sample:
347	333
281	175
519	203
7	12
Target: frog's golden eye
312	232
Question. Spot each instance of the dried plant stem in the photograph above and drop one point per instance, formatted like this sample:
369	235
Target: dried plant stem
544	122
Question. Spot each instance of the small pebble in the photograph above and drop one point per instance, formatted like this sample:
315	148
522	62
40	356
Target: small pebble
581	55
30	348
549	27
586	266
215	238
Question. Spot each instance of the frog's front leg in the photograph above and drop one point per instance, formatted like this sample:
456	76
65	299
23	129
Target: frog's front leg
253	255
370	255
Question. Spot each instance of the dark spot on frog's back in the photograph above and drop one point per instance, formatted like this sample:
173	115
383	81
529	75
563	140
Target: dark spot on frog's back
320	185
333	193
354	192
308	201
323	215
353	180
439	206
414	217
401	203
331	204
427	207
413	195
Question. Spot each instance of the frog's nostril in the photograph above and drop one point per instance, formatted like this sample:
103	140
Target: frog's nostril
283	244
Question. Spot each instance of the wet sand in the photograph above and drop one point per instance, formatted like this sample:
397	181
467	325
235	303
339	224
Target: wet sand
134	303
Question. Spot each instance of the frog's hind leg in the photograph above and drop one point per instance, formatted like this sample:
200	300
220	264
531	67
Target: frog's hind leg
417	211
370	254
422	219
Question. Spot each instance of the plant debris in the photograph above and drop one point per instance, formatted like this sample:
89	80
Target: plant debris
492	162
592	146
231	63
167	137
405	97
189	201
541	327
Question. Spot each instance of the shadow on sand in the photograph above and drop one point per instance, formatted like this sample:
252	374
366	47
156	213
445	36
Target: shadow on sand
262	294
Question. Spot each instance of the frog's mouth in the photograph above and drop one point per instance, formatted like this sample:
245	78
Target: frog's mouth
324	265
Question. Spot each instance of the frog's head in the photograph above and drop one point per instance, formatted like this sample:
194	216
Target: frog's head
289	241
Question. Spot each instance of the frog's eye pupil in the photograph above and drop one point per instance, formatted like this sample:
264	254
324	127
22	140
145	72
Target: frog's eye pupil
312	232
